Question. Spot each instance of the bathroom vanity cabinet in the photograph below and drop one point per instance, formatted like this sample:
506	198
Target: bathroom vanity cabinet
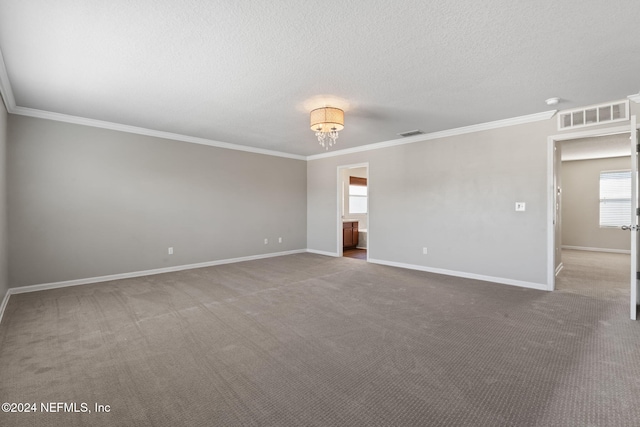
349	234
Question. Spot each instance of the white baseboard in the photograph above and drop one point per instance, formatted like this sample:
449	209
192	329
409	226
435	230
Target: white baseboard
5	301
54	285
559	268
90	280
313	251
584	248
108	278
501	280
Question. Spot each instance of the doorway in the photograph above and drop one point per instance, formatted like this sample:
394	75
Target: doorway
353	211
593	188
596	140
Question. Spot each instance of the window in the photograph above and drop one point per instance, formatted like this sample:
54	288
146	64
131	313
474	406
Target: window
615	198
357	195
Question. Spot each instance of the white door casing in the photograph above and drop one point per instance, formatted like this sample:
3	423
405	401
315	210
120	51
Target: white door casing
633	297
553	169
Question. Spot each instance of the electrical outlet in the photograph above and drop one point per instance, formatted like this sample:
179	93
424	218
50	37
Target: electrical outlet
279	239
424	251
520	206
266	241
170	251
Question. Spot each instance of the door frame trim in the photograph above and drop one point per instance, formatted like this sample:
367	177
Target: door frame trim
551	171
633	278
340	204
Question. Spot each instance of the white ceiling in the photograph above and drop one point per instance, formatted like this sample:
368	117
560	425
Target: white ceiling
248	72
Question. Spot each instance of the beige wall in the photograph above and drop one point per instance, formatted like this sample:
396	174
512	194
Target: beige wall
87	202
581	205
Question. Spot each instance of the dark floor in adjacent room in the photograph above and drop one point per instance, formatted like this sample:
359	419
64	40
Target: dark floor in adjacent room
355	253
321	341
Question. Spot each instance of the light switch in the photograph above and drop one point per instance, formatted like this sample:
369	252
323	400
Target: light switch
520	206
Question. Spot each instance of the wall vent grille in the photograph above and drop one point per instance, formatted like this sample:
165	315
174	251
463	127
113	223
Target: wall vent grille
593	115
410	133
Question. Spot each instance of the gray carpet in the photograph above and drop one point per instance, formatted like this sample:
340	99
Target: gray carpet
307	340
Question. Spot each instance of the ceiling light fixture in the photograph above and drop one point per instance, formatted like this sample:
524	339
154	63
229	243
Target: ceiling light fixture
327	122
552	101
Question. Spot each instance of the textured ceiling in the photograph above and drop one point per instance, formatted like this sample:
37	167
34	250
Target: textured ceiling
249	72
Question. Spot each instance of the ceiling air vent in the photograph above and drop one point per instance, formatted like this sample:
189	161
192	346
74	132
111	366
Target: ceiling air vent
410	133
593	115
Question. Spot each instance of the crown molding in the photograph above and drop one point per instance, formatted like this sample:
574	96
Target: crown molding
12	108
545	115
5	87
10	103
6	93
41	114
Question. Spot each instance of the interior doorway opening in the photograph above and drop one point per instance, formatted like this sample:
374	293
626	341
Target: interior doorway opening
595	251
353	211
557	197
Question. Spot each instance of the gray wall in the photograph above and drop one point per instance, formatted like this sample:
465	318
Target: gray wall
456	196
87	202
581	205
4	270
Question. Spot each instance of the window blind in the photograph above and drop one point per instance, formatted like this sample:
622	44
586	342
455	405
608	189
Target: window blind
615	198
